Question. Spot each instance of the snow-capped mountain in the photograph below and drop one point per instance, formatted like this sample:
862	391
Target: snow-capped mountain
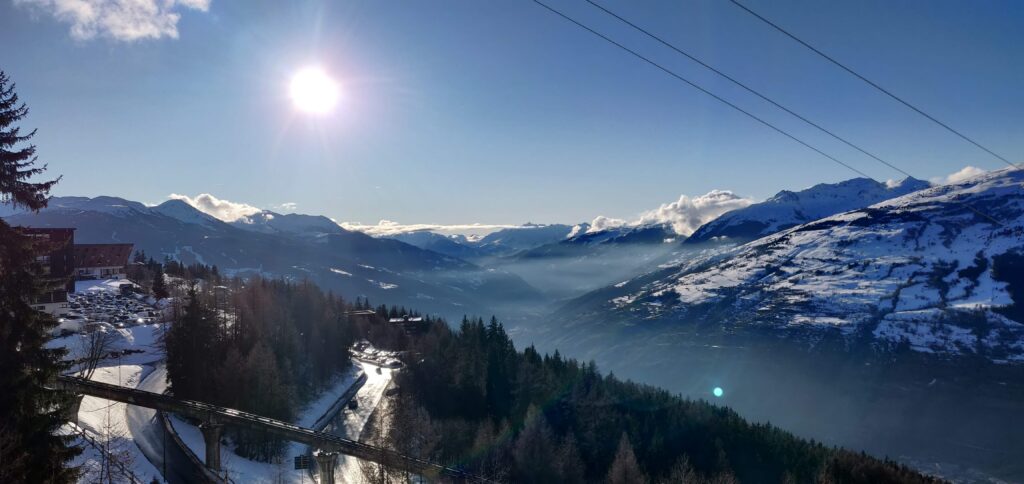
504	242
452	245
181	210
512	240
938	270
788	209
627	234
290	224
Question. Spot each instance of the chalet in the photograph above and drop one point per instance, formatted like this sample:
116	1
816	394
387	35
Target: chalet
411	324
101	261
56	260
406	319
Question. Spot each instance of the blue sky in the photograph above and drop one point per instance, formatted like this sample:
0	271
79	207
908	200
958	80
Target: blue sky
499	112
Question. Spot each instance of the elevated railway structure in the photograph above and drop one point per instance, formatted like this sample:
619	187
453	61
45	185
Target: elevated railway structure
214	418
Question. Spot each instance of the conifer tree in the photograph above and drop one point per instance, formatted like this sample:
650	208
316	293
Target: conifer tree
159	284
30	413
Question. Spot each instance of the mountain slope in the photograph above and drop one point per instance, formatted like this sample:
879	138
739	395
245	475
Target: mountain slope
922	269
788	209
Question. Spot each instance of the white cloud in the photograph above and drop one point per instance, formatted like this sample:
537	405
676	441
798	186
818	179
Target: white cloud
223	209
287	206
387	228
687	214
684	215
959	176
124	20
604	223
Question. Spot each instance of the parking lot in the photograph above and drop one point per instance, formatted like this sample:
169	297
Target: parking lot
364	351
100	306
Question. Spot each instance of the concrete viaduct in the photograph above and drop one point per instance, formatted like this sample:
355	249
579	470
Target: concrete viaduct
214	418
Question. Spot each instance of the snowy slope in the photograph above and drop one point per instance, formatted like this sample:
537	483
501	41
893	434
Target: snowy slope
788	209
922	270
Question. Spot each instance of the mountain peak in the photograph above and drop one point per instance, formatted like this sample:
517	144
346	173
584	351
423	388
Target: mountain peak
270	222
184	212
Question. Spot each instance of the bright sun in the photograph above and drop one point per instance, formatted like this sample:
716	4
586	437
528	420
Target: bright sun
313	91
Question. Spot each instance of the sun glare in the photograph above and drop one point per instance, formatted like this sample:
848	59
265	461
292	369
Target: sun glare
313	91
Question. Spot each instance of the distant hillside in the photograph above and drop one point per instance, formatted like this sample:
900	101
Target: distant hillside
294	247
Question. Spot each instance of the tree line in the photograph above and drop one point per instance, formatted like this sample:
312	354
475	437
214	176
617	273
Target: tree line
262	346
519	416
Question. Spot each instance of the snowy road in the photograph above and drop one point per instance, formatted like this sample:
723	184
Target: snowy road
350	423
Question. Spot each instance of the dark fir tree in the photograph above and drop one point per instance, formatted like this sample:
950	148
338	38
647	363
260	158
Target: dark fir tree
30	413
191	347
159	284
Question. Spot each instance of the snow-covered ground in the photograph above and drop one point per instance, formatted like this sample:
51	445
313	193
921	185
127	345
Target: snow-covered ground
132	353
106	424
244	470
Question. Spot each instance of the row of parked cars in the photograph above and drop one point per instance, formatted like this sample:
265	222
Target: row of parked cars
105	310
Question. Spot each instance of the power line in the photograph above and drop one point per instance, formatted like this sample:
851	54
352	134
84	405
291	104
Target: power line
701	89
748	88
769	100
734	106
871	83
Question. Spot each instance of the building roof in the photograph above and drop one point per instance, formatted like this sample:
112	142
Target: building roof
102	255
58	235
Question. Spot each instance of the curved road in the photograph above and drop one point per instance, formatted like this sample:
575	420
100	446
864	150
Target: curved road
151	437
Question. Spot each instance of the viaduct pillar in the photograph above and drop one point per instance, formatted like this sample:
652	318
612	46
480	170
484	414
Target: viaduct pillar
211	435
73	408
326	461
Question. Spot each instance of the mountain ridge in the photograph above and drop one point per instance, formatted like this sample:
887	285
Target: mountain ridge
791	208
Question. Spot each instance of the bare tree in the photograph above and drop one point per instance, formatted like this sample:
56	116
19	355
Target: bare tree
94	347
410	432
376	434
116	457
625	469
